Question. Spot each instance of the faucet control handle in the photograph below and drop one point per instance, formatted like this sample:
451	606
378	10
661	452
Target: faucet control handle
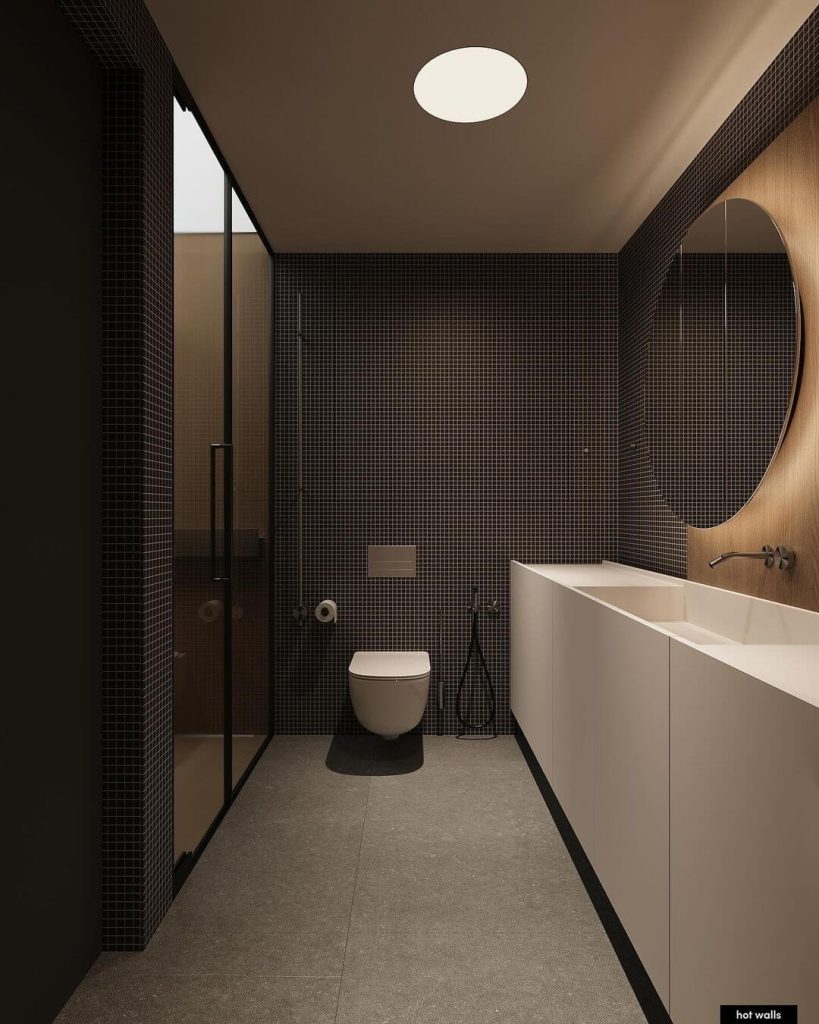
784	557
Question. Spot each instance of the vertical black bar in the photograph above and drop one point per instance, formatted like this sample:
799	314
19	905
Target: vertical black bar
228	492
271	492
213	574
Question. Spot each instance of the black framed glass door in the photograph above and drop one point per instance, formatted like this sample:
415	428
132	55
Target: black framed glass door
200	462
221	533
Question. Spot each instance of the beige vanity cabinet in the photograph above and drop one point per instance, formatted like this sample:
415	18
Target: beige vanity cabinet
631	784
530	659
611	761
679	728
576	684
744	842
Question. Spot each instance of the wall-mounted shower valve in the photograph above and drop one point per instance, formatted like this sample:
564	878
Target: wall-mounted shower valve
490	607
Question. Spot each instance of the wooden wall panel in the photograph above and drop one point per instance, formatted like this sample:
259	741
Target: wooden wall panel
785	509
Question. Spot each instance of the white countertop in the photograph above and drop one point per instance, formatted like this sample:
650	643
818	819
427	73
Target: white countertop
600	574
790	667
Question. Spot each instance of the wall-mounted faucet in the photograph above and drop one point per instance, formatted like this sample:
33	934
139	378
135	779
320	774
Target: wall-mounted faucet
489	607
780	557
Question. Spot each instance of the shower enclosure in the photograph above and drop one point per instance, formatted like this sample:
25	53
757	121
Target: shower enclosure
221	479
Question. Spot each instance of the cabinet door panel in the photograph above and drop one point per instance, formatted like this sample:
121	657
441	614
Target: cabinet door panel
531	660
631	782
744	842
576	660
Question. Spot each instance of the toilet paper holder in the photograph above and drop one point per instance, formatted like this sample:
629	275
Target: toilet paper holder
327	611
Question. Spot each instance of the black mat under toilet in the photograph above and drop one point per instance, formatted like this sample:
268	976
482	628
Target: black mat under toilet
372	755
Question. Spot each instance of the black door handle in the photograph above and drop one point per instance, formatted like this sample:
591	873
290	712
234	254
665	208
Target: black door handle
214	575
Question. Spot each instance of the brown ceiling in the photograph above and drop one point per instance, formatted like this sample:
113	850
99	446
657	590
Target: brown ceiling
311	102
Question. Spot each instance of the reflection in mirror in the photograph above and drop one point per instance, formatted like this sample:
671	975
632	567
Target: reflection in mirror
722	362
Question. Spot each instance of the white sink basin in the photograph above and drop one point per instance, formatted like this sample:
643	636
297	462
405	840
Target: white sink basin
707	615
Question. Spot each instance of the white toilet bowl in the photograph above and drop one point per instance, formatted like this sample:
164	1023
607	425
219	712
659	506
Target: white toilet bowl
389	690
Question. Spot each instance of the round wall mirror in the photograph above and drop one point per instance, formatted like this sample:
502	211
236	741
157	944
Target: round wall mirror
722	363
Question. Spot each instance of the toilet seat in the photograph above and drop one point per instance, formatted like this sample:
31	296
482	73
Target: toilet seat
397	666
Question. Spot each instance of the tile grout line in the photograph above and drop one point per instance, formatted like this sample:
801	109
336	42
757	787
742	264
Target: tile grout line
352	901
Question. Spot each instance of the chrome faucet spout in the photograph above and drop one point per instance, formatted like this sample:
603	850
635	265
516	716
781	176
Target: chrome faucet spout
767	553
782	558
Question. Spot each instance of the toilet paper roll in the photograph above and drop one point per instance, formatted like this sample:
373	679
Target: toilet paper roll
327	611
210	611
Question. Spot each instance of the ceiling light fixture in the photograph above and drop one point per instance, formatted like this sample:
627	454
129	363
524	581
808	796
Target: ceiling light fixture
473	83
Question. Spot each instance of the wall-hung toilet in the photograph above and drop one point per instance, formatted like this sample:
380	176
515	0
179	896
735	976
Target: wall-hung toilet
389	690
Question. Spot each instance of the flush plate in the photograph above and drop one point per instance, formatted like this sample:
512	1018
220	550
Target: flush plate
391	560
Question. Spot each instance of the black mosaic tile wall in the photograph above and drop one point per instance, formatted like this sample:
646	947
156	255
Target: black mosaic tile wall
137	465
650	535
462	403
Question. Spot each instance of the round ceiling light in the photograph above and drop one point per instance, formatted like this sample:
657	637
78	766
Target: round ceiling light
473	83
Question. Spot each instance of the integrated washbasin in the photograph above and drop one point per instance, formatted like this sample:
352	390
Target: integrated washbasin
706	615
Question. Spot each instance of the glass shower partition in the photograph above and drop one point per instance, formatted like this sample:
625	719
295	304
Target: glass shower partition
222	325
201	465
251	328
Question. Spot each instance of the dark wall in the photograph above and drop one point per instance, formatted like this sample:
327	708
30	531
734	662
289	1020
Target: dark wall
448	403
137	464
130	391
650	535
51	184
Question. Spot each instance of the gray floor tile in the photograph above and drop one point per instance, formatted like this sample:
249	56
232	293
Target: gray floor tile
292	783
473	927
501	801
482	995
501	753
294	752
422	896
276	906
444	896
212	999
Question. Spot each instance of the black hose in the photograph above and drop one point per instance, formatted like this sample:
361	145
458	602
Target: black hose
475	647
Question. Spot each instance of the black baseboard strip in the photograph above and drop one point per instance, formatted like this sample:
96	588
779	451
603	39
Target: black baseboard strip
646	994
